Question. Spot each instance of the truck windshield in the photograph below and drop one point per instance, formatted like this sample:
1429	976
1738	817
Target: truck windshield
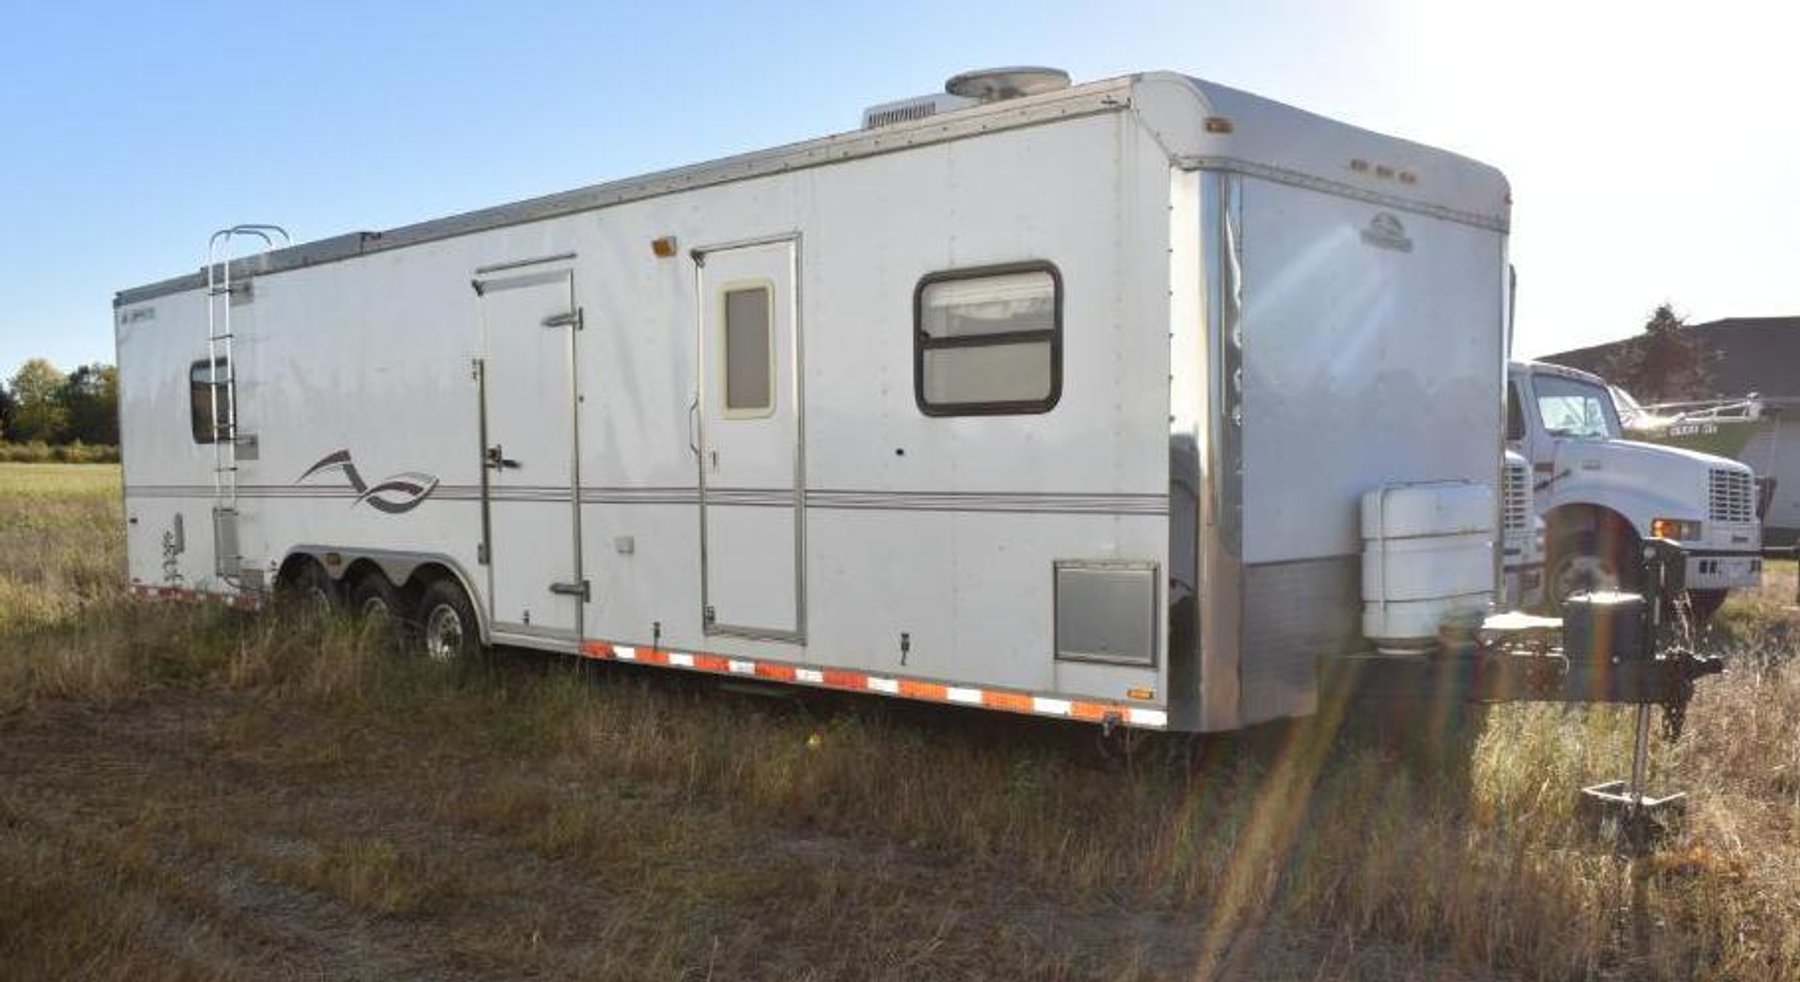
1574	408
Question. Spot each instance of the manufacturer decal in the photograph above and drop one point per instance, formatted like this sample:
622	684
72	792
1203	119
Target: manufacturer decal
393	495
1384	231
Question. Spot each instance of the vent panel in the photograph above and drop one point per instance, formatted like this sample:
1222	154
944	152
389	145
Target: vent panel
1515	516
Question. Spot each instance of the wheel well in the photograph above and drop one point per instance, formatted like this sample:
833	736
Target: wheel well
427	573
362	567
293	566
1573	519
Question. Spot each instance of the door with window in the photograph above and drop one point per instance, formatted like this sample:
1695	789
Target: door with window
748	404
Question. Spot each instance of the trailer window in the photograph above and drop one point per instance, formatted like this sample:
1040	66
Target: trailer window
749	357
988	340
204	381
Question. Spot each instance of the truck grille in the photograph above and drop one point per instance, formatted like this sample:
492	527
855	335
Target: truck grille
1515	514
1733	496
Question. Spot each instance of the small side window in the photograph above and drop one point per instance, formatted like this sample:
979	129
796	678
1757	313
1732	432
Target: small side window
1515	414
749	374
988	341
209	400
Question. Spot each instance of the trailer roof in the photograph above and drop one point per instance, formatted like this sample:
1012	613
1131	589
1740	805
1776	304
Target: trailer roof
1268	139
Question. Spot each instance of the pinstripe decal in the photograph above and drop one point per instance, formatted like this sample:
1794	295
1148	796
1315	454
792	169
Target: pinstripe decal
987	502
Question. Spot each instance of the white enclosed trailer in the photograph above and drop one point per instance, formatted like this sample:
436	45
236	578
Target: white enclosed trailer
1060	403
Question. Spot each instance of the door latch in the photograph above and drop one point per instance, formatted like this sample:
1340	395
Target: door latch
495	460
580	589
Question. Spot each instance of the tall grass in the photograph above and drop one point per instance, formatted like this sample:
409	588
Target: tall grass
1481	864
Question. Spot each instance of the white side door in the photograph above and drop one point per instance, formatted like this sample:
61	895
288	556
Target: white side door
531	487
751	468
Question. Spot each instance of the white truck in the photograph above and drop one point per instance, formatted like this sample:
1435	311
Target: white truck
1143	402
1602	495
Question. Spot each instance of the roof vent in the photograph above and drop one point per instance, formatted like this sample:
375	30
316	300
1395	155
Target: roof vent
995	84
907	110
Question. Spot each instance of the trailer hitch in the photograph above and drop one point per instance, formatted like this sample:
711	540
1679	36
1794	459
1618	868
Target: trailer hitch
1631	649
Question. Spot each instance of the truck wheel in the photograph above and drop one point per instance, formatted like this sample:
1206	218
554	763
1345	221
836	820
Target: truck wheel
448	631
374	599
1582	563
1703	604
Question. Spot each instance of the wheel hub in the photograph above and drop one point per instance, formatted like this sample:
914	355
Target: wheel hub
443	633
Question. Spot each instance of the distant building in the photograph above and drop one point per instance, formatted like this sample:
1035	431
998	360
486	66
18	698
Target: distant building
1744	355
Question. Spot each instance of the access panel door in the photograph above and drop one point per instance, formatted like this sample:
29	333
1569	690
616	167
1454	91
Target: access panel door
531	485
749	442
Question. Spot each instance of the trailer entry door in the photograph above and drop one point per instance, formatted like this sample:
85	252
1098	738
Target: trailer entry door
530	494
751	506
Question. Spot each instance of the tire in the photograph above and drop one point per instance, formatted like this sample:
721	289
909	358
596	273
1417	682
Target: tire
311	589
1703	604
372	597
447	631
1583	562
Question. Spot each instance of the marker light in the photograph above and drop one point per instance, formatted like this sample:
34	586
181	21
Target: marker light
663	247
1674	528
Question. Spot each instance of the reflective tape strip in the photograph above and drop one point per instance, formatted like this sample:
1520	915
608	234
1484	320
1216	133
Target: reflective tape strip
1086	710
1146	717
237	601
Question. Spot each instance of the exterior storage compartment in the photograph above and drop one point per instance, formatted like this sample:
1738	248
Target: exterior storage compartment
1428	556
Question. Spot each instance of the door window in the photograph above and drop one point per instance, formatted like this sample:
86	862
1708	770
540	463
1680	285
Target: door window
749	374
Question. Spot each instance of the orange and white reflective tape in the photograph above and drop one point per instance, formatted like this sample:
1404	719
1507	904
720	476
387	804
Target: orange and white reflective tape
1011	701
240	601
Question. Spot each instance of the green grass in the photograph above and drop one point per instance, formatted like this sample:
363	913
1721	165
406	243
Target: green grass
733	837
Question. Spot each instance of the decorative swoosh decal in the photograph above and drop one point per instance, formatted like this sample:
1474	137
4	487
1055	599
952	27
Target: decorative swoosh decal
393	495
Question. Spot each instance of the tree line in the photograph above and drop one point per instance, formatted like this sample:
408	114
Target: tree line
42	404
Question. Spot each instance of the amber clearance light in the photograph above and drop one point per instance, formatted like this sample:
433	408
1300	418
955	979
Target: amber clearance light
1674	528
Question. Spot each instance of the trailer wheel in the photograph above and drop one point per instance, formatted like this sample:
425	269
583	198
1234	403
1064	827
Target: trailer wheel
1585	562
374	600
311	588
448	631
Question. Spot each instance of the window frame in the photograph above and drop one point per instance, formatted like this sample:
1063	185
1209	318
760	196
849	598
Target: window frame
196	418
1006	407
723	365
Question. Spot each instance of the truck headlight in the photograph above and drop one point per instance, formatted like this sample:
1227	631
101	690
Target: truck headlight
1676	529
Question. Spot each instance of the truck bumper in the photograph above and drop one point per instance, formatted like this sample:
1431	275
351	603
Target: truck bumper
1723	570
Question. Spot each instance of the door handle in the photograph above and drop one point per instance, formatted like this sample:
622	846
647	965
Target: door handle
495	460
693	426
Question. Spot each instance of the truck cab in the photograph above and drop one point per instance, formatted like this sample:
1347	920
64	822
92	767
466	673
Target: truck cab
1601	495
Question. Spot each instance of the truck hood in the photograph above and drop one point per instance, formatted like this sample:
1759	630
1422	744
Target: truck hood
1630	452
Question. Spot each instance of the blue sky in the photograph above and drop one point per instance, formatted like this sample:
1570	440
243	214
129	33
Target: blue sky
1649	147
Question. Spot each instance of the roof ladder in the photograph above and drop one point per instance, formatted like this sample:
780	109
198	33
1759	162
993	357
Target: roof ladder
222	378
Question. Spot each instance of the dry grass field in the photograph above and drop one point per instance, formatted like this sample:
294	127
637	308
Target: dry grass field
191	793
